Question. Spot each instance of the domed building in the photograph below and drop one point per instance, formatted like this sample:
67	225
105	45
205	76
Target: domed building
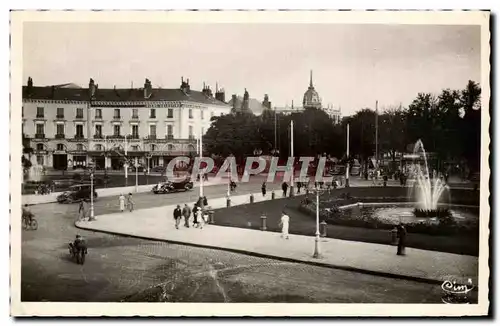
311	97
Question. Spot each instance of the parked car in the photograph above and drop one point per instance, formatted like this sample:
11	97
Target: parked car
184	184
76	193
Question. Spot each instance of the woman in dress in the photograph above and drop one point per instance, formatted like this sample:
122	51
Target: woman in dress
122	202
284	223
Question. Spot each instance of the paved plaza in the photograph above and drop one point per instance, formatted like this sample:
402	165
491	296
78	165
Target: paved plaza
158	224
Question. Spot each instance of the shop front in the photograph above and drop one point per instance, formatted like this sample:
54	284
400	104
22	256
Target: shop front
79	160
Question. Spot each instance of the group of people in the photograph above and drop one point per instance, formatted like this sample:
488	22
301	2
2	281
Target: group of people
129	202
198	216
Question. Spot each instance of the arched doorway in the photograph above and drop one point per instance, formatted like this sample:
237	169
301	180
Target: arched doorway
60	158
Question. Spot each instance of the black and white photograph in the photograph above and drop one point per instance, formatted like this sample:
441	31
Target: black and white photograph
265	163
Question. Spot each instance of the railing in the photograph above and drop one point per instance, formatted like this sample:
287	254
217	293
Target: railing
39	136
59	116
135	117
79	116
117	117
136	136
169	137
60	136
116	137
79	137
151	137
191	137
40	115
98	136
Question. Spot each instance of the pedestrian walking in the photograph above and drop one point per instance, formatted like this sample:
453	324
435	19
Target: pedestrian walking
81	210
284	187
121	199
263	189
177	216
130	202
299	185
195	215
284	223
186	212
200	218
402	240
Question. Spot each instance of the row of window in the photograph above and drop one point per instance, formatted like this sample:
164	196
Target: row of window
99	147
40	113
40	130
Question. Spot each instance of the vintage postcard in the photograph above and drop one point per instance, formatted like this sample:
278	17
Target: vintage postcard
250	163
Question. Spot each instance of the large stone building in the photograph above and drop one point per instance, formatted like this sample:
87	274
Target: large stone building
68	126
312	100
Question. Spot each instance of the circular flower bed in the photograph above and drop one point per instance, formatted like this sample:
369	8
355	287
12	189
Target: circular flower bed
332	212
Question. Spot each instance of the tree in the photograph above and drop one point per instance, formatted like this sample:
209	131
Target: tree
236	134
392	132
470	98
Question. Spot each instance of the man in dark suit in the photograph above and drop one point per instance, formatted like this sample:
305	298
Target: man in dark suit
177	216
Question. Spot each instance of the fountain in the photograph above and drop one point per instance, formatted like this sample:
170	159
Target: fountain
428	189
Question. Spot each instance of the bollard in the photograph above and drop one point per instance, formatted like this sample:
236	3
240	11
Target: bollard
228	202
394	236
251	198
323	229
211	217
273	195
263	219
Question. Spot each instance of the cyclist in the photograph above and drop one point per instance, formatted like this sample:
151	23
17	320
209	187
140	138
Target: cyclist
27	215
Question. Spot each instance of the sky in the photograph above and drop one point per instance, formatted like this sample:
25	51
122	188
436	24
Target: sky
353	65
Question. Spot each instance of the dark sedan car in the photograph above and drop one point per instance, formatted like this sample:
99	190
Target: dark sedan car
75	194
184	184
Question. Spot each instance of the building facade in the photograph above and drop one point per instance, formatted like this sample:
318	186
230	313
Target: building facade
312	100
68	127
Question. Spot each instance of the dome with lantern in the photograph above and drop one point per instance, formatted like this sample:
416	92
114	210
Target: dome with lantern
311	97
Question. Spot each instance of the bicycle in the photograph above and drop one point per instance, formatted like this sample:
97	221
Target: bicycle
29	224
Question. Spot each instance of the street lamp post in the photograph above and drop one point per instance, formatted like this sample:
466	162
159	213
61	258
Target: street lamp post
347	164
126	162
291	153
201	176
316	240
91	217
136	175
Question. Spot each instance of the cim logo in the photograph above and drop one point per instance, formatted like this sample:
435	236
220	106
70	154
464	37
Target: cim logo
456	290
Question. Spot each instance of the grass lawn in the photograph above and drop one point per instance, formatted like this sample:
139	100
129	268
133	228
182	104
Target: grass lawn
248	216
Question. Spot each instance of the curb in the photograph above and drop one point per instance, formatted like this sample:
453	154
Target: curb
256	254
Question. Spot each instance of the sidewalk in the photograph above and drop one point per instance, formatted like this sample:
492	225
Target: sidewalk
158	224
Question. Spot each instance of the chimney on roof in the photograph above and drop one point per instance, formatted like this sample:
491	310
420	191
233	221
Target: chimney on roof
30	86
148	89
92	88
185	85
219	94
206	90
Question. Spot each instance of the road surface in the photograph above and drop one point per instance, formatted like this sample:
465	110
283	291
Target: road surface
119	268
